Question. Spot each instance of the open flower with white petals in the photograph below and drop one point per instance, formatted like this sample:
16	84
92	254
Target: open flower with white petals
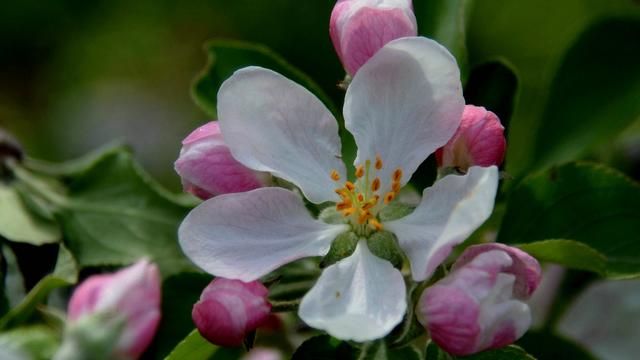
401	106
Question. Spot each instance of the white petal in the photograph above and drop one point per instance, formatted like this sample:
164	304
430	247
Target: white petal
246	235
359	298
272	124
403	104
449	212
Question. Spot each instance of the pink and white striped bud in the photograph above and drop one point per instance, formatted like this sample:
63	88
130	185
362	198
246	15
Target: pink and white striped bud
230	309
481	305
479	141
359	28
132	295
207	168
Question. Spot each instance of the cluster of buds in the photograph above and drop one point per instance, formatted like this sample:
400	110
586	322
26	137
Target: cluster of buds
478	306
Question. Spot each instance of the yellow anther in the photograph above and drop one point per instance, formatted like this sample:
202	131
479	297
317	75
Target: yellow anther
360	197
375	224
397	175
395	186
364	215
344	194
371	203
348	212
389	197
375	185
343	205
349	186
359	171
378	164
335	176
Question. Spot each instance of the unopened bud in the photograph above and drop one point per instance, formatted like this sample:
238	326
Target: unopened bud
359	28
228	310
479	141
121	309
207	168
480	304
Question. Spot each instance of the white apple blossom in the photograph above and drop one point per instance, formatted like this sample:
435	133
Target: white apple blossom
401	106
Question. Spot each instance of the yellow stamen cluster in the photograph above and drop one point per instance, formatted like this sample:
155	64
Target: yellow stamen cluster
360	200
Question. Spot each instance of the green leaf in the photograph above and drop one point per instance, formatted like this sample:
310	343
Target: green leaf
584	202
546	345
446	22
18	224
195	347
113	213
21	313
510	352
533	38
39	342
227	56
179	293
324	347
12	280
568	253
588	106
435	353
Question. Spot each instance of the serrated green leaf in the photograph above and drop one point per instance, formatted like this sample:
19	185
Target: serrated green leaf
568	253
533	37
227	56
113	213
18	224
38	342
446	22
584	202
193	347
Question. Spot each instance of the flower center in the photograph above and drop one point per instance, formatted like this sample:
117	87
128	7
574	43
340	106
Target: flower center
361	201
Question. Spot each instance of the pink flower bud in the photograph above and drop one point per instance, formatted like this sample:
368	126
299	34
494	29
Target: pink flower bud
478	141
230	309
207	167
134	293
480	304
359	28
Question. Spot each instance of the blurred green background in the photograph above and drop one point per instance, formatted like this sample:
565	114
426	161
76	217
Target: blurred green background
76	74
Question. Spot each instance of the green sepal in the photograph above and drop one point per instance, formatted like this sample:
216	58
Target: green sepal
383	244
394	211
344	245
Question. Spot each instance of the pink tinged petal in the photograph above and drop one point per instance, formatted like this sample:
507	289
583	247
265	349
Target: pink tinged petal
86	295
207	168
246	235
478	141
229	309
524	267
449	212
272	124
133	292
451	317
360	298
403	104
263	354
360	28
473	309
